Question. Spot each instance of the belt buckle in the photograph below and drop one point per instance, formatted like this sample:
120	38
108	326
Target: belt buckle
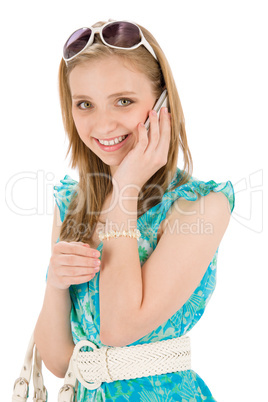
78	346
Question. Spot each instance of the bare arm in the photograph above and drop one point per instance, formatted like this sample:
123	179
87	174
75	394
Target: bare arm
70	263
136	301
53	331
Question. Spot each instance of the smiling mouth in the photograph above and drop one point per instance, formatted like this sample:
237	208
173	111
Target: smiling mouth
114	141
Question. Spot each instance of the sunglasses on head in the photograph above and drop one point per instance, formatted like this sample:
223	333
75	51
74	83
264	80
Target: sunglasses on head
115	34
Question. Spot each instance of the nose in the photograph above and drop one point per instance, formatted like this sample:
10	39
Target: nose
105	124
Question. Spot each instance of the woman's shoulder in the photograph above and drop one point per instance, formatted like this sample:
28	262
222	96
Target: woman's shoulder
64	193
198	207
196	192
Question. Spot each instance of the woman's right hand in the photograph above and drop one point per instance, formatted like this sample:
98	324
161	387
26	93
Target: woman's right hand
72	263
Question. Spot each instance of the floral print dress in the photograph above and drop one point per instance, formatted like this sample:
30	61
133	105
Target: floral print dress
184	386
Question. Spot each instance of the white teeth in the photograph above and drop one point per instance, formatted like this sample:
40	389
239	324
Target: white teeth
112	142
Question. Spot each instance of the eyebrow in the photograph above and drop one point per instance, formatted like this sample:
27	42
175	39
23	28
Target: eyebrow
122	93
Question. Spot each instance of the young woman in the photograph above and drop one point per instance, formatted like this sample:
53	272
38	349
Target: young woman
148	284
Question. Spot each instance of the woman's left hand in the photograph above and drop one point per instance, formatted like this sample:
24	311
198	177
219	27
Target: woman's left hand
148	155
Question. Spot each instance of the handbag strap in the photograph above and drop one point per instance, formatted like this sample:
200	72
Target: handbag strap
40	392
21	385
67	392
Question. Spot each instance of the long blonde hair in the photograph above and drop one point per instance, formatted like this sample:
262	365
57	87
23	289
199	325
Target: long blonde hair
92	189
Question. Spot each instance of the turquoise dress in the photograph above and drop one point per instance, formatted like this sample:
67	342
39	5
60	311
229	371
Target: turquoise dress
184	386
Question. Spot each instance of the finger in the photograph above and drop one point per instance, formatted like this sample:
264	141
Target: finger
74	272
76	248
79	261
165	131
154	130
143	137
77	280
80	279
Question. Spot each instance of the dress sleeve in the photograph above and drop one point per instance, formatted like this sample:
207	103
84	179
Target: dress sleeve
194	187
63	194
149	222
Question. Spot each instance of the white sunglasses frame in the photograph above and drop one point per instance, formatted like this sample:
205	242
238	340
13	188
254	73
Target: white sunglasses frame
99	30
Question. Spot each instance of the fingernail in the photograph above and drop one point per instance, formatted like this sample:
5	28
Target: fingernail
154	113
165	110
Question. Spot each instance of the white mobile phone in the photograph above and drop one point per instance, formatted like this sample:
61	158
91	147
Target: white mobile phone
161	102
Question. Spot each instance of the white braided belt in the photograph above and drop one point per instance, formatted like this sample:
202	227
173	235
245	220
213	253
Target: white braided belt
109	364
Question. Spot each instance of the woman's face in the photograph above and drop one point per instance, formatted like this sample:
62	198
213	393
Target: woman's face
109	100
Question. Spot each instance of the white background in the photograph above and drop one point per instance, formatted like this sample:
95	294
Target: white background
218	54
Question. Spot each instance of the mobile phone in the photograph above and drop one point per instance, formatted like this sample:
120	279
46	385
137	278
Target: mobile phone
161	102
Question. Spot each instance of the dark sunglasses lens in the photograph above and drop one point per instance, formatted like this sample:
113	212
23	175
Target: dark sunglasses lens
121	34
76	42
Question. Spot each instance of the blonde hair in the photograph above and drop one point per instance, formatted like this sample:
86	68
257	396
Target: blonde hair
92	190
